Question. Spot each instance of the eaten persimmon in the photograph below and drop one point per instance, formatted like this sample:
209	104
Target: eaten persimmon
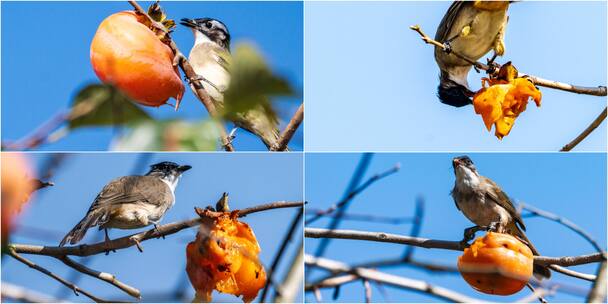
224	257
125	52
497	264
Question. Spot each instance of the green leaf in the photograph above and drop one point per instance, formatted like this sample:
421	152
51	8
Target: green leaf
252	83
169	135
103	105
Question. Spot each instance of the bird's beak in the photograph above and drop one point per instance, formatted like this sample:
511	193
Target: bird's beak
456	162
188	23
184	168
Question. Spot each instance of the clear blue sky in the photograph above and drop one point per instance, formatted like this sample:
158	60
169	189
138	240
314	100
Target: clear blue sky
45	62
573	186
249	178
371	82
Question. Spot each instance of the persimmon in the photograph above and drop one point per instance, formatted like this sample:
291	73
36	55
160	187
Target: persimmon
16	187
128	54
505	97
224	257
497	264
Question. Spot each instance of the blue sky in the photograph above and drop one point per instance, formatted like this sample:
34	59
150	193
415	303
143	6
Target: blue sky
45	62
573	186
249	178
371	82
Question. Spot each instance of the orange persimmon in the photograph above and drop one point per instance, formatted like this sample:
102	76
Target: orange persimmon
129	55
496	264
506	97
224	257
16	188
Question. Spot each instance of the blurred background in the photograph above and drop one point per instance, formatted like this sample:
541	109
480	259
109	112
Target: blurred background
159	272
46	62
572	186
364	63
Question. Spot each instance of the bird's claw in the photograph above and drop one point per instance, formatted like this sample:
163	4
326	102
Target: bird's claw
178	58
158	231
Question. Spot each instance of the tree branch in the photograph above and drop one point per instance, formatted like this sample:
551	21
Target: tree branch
438	244
385	278
595	91
352	194
70	285
598	291
594	124
104	276
197	87
289	131
133	239
25	295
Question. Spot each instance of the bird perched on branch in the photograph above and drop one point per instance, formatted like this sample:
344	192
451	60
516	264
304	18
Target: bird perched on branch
131	202
470	29
211	59
484	203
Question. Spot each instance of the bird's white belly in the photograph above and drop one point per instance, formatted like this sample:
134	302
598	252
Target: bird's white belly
133	216
216	75
483	213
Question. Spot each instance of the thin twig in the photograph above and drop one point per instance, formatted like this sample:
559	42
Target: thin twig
12	252
107	277
133	239
363	217
598	290
416	227
353	193
22	294
594	124
291	285
368	291
595	91
388	279
197	87
289	131
277	258
572	273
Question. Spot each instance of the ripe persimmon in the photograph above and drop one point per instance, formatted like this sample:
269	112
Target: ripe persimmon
496	264
16	187
224	257
129	55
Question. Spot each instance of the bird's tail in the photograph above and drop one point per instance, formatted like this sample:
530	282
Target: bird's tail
540	272
92	219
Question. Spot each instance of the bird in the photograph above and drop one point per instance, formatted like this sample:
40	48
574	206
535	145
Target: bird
471	29
210	58
485	204
131	202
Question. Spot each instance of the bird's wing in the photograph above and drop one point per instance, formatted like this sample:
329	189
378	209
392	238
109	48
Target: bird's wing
131	189
443	30
454	194
502	199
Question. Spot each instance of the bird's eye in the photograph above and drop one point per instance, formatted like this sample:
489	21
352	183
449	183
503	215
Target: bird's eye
208	24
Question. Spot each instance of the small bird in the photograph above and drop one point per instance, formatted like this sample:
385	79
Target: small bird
484	203
211	59
131	202
471	29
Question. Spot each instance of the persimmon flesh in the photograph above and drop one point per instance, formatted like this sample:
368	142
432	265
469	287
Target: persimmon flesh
127	54
497	264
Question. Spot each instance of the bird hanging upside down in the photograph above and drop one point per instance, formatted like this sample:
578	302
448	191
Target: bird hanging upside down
471	29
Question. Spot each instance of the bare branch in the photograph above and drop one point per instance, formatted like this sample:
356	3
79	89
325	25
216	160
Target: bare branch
598	291
25	295
353	193
572	273
70	285
595	91
389	279
133	239
104	276
594	124
363	217
563	221
289	131
437	244
277	258
197	87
